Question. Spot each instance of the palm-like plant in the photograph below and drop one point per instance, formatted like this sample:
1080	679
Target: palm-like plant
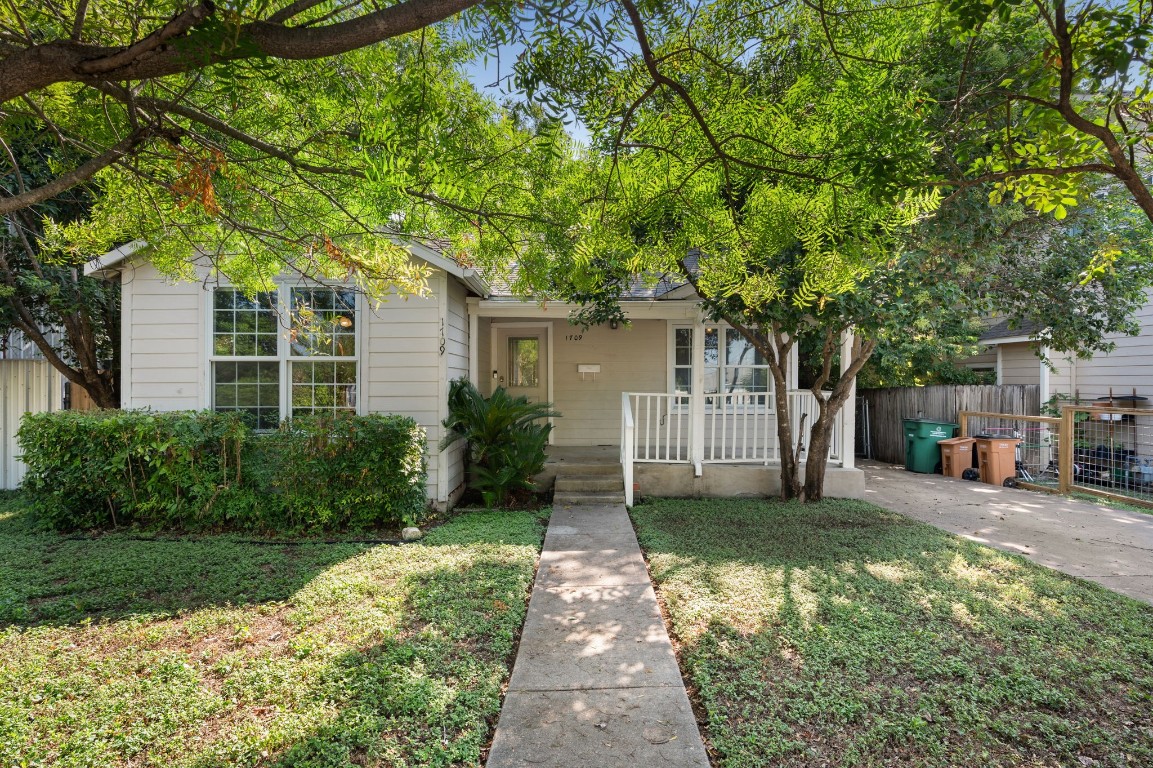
506	438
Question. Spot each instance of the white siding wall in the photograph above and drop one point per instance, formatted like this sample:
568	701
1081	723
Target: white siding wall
164	349
987	358
1019	364
485	362
1062	379
456	367
26	386
401	365
1129	366
632	359
163	341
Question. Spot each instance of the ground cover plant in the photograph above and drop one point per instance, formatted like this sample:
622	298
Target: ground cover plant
214	650
843	634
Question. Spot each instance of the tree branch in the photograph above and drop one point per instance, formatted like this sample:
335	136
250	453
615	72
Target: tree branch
77	175
178	25
38	66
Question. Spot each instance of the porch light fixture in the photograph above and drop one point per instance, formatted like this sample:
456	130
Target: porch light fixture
614	324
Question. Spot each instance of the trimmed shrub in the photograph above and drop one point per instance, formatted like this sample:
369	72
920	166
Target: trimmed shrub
208	471
347	472
95	469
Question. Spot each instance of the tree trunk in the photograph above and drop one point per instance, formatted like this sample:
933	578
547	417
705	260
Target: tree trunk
790	468
821	434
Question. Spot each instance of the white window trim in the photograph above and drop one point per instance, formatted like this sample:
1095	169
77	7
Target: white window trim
283	288
698	355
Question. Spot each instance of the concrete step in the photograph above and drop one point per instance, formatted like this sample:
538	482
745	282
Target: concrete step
581	498
590	468
567	482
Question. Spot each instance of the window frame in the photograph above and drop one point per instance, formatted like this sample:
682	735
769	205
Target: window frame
284	357
722	329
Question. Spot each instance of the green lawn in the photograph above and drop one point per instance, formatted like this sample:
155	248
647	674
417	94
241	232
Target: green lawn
218	652
841	634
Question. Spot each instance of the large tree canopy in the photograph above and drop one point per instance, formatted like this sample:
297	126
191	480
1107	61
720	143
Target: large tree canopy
299	164
784	159
1047	95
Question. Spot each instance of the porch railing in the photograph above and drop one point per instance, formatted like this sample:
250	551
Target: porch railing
663	425
803	405
628	442
738	427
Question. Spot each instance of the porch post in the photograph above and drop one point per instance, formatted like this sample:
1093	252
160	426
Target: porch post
473	344
847	419
697	399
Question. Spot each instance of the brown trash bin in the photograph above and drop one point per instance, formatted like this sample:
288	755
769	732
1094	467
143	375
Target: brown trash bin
997	459
956	455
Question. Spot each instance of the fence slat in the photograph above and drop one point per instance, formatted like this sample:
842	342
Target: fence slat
889	407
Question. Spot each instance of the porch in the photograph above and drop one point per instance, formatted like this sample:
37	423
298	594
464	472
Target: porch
733	434
683	405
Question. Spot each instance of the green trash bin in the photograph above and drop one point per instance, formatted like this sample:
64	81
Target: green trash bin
922	454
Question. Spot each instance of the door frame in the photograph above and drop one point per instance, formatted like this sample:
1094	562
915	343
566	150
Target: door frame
547	326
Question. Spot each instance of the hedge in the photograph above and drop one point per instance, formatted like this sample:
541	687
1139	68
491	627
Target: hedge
208	471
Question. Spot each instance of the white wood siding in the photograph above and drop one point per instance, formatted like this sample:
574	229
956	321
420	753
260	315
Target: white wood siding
632	359
401	365
26	386
1019	364
163	338
986	359
1129	366
456	367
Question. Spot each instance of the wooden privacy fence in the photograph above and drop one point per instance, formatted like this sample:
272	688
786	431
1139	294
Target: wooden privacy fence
1101	450
888	408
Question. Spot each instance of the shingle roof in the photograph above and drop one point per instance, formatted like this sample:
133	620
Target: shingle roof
639	288
1011	329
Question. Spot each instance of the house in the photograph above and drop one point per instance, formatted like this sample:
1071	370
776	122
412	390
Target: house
1126	370
28	384
688	398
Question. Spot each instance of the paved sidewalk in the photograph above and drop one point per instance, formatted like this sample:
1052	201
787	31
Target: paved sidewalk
596	681
1109	546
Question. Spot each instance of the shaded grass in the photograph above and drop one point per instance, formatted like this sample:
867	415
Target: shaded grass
212	652
843	634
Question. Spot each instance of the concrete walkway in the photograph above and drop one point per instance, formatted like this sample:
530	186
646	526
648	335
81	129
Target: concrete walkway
595	682
1111	547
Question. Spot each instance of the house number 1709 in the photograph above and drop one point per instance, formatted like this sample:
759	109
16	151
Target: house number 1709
575	336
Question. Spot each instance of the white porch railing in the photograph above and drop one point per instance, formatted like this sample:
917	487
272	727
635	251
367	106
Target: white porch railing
662	426
738	427
628	442
802	403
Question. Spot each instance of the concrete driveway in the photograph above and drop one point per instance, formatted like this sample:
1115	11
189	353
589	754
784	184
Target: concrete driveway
1111	547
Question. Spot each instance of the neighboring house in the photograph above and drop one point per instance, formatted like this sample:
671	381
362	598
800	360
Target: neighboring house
690	396
28	384
1126	370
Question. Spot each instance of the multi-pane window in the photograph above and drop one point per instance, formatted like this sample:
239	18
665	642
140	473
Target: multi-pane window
731	364
245	370
323	325
242	326
268	368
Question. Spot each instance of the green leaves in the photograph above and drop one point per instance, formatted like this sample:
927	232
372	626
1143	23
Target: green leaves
208	471
506	438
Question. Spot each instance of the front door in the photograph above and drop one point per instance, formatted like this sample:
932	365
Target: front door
521	359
